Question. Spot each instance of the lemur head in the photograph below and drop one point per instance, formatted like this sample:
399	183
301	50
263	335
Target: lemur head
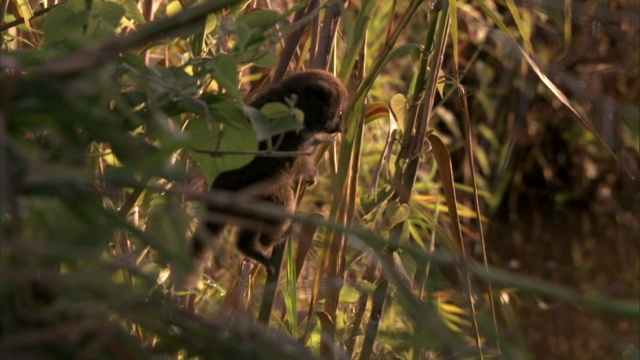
320	95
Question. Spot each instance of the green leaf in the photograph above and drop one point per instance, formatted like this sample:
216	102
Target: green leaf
173	8
398	105
287	122
197	44
349	294
166	228
105	19
261	19
243	36
273	119
211	24
276	110
64	23
259	122
73	24
225	72
108	12
401	50
395	213
131	10
267	59
232	134
25	11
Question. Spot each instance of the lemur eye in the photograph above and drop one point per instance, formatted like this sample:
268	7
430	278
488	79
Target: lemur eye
340	114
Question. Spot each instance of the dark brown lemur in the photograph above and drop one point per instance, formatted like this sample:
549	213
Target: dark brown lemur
322	98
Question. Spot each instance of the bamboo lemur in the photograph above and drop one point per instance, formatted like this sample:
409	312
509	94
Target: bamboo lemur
322	98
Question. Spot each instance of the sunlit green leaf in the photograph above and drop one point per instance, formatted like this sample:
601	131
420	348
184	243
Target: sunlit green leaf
261	20
65	23
399	108
349	295
233	135
104	20
396	212
211	24
273	119
24	9
226	73
131	10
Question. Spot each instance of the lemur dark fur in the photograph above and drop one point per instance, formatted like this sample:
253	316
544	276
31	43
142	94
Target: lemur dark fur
322	98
